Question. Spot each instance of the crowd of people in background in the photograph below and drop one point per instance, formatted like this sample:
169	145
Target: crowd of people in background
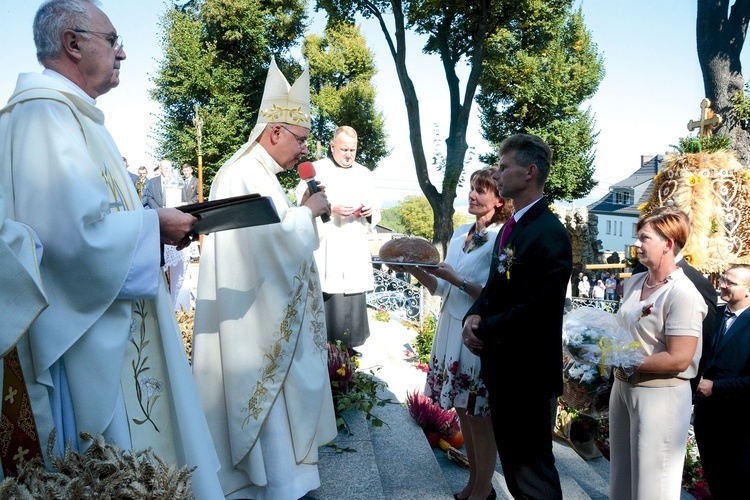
151	190
602	285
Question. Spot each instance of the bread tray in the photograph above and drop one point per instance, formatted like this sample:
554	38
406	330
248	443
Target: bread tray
393	263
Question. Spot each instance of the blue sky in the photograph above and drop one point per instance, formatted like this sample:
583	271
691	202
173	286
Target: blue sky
653	85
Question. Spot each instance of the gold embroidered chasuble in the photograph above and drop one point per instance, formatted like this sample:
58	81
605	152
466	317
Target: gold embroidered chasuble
260	329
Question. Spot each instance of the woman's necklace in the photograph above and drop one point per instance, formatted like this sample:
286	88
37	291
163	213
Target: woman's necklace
658	283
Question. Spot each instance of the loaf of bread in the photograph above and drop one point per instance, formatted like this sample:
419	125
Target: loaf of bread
412	250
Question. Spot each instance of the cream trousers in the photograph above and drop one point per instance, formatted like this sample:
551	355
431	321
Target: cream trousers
647	436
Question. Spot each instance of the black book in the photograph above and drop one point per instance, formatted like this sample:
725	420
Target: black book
232	213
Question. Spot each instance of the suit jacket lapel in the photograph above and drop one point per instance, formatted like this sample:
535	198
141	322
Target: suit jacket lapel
529	217
737	325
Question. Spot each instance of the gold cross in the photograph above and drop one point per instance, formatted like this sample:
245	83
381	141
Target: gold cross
198	124
11	396
19	457
708	122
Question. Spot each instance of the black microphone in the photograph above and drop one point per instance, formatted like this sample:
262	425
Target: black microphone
306	172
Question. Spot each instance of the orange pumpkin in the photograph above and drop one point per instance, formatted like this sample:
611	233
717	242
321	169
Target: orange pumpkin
456	440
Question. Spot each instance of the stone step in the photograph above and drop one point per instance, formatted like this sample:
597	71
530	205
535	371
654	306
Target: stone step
389	462
579	481
395	461
352	473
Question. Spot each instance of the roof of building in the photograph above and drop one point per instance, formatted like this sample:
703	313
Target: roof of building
640	182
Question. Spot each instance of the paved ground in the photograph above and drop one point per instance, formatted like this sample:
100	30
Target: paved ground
386	349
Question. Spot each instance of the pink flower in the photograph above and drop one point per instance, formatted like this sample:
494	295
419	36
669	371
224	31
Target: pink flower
429	416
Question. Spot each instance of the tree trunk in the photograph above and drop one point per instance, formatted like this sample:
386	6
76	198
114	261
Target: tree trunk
720	37
456	147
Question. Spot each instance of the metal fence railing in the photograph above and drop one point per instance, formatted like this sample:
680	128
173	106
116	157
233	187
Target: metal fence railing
396	296
608	305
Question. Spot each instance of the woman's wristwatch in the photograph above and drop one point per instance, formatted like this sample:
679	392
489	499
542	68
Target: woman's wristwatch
463	285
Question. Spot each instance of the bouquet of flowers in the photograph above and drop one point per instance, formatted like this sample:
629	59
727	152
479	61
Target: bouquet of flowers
593	336
585	376
585	389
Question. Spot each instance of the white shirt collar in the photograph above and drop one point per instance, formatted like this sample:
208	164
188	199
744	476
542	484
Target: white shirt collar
517	216
78	90
737	312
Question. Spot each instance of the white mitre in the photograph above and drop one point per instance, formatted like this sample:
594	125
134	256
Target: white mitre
282	103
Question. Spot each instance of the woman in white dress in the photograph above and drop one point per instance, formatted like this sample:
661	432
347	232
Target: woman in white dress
453	378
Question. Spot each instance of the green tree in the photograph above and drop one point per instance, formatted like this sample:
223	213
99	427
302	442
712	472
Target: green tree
535	79
391	218
413	215
720	34
416	217
216	54
342	93
459	33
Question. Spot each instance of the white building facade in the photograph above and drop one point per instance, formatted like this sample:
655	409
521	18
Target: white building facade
618	210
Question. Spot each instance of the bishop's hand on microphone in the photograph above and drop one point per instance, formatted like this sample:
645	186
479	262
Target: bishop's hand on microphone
306	172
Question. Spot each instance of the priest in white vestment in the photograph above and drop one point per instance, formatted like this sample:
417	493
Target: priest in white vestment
260	358
106	356
344	257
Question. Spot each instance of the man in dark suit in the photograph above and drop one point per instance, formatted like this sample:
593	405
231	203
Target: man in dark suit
516	324
156	194
723	403
133	177
190	186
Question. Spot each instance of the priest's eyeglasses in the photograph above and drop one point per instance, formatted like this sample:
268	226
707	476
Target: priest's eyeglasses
115	41
302	140
729	284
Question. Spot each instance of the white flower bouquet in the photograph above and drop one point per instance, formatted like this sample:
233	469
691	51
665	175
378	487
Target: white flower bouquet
585	389
593	336
584	375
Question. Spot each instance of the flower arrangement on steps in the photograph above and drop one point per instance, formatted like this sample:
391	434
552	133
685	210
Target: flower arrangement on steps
440	426
353	389
587	434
